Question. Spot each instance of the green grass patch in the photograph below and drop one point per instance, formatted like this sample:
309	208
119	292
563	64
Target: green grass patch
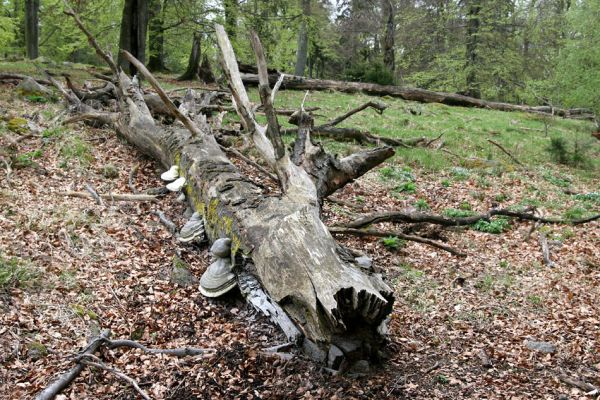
16	272
454	213
75	149
496	226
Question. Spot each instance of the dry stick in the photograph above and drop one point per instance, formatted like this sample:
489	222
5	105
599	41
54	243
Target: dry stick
276	87
506	152
359	232
377	106
194	130
433	140
115	197
114	371
179	352
65	380
586	387
170	225
264	90
130	181
249	161
545	249
417	217
94	194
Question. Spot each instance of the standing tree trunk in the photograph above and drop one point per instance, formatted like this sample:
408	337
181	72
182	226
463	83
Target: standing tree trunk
389	58
156	38
302	52
32	28
193	67
134	24
473	23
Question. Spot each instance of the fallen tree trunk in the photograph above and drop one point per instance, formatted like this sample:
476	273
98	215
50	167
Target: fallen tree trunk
334	304
415	94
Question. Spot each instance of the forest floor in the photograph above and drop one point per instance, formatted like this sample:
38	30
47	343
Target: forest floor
460	327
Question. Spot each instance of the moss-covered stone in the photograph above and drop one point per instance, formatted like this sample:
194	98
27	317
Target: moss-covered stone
36	350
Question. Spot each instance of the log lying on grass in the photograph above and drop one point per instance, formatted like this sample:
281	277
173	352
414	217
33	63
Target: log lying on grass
334	303
415	94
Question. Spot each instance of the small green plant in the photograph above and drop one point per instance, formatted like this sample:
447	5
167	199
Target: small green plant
359	199
109	171
574	213
503	264
443	379
566	153
446	183
486	283
496	226
465	205
393	173
502	197
15	272
406	187
35	98
392	242
52	133
422	205
460	173
559	181
593	197
26	159
76	149
535	300
454	213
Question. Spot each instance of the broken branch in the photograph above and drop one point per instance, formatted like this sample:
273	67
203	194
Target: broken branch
115	197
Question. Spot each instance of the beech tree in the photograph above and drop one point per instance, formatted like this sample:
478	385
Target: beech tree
32	8
134	25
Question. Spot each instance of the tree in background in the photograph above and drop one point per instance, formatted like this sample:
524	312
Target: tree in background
302	50
578	72
389	50
134	25
32	24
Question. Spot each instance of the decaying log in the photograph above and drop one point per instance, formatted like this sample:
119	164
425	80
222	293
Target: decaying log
19	77
330	299
414	94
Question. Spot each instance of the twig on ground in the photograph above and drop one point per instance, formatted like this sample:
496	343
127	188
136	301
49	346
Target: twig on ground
506	152
114	197
545	249
178	352
359	232
99	364
170	225
433	140
586	387
94	194
65	379
130	181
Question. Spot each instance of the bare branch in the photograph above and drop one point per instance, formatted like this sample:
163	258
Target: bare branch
114	371
265	95
506	152
400	235
113	197
376	105
163	96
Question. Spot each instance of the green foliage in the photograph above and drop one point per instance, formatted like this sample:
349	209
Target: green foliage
394	173
422	205
574	213
578	71
454	213
52	133
569	154
497	225
392	242
406	187
369	72
74	148
34	98
592	197
15	272
25	160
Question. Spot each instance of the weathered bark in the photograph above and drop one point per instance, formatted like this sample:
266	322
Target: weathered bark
134	24
32	28
389	56
414	94
193	67
156	36
302	51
